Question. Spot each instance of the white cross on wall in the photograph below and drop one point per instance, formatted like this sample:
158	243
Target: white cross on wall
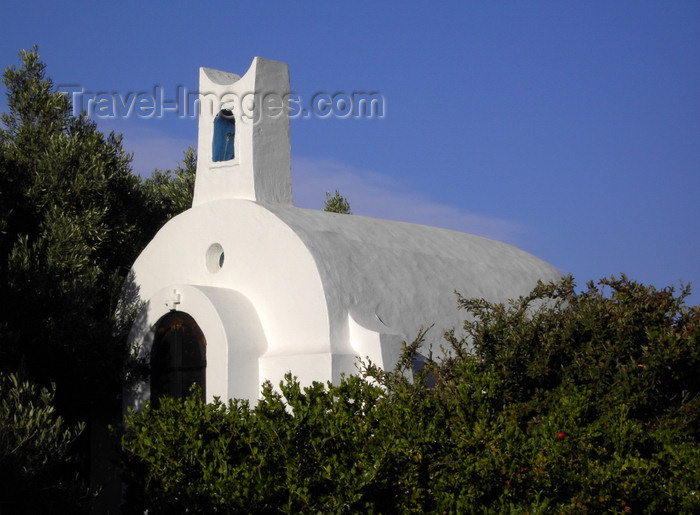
173	300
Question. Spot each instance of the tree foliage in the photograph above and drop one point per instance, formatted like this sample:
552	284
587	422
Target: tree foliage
73	218
35	446
337	204
170	192
558	402
70	230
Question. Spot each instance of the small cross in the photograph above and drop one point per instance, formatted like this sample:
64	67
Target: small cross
173	301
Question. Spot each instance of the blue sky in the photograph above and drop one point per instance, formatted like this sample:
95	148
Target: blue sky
568	129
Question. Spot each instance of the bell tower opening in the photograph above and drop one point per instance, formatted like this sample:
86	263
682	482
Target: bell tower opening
243	136
178	357
224	136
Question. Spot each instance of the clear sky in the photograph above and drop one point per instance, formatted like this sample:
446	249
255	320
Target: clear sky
568	129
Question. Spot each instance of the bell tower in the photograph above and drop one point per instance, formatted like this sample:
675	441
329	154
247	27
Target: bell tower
243	141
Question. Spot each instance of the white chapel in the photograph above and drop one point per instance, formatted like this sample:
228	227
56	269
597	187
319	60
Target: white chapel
244	287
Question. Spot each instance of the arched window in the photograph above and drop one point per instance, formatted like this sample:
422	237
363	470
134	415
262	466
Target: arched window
224	136
178	357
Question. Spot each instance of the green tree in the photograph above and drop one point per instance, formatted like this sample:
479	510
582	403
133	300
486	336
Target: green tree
170	192
557	402
337	204
73	218
70	230
35	449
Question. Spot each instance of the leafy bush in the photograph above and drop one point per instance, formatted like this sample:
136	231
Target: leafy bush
557	402
295	451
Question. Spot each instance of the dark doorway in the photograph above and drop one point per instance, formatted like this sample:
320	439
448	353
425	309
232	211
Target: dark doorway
178	357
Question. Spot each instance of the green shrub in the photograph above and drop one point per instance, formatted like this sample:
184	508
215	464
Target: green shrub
296	451
558	402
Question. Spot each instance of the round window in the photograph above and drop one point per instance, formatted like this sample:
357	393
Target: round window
215	258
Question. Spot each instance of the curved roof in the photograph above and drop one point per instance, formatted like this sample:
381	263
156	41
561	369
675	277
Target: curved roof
306	271
397	277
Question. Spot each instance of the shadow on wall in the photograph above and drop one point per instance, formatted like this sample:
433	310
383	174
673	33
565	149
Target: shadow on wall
129	311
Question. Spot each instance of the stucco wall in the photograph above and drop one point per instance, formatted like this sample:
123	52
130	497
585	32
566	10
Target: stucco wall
307	291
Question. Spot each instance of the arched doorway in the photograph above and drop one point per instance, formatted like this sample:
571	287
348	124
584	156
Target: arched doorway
178	357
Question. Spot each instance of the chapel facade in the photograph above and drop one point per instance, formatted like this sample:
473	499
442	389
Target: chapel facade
244	287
